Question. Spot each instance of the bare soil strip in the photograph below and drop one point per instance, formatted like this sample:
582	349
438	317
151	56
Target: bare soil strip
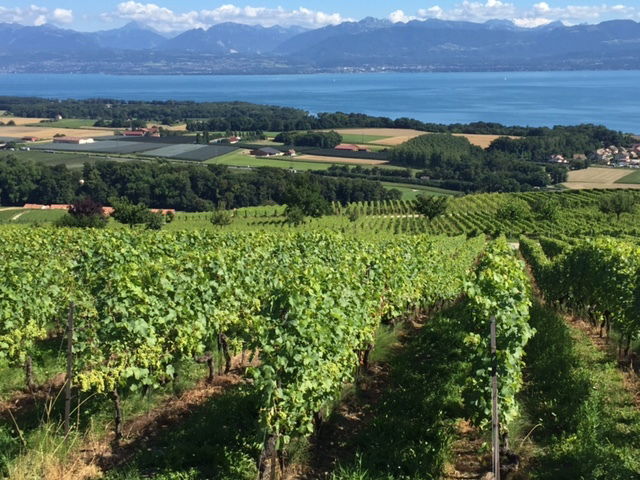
468	463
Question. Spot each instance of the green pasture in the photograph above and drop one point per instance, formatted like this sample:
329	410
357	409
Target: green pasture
244	160
357	138
67	123
410	192
633	177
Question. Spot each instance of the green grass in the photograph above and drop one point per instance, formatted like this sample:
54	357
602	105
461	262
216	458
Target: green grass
633	177
242	160
28	217
48	361
413	424
216	440
361	139
588	424
67	123
410	192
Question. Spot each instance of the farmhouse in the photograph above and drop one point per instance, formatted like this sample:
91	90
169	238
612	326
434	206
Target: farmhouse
29	139
267	152
73	140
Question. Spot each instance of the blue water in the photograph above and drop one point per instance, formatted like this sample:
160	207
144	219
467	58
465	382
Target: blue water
520	98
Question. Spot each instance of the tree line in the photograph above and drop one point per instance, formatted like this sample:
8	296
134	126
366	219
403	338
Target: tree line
223	116
310	139
185	187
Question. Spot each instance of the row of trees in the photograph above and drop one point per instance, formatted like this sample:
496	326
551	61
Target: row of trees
310	139
185	187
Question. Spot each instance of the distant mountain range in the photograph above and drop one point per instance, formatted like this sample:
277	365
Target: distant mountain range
367	45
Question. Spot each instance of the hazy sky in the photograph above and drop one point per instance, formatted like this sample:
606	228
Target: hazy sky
176	16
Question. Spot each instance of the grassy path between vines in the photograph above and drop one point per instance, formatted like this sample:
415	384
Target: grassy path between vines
587	424
403	421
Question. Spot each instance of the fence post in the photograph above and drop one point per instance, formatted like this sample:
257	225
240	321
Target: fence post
69	381
495	420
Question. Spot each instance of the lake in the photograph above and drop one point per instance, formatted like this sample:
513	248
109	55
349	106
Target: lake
519	98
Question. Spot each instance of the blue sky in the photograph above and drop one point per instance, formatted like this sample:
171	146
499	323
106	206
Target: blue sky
172	16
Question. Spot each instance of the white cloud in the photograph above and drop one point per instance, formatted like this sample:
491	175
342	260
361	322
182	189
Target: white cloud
531	22
399	16
62	15
166	20
542	7
35	15
537	14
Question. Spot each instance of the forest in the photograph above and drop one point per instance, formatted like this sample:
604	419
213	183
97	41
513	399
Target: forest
466	167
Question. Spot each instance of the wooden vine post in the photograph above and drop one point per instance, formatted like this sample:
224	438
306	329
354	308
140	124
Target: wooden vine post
495	420
69	380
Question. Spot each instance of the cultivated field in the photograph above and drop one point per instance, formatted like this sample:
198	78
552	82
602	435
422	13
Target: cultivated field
633	177
47	133
386	136
397	136
178	151
68	123
482	141
596	177
21	120
243	159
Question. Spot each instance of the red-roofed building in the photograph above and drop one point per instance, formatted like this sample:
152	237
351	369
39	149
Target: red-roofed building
29	139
